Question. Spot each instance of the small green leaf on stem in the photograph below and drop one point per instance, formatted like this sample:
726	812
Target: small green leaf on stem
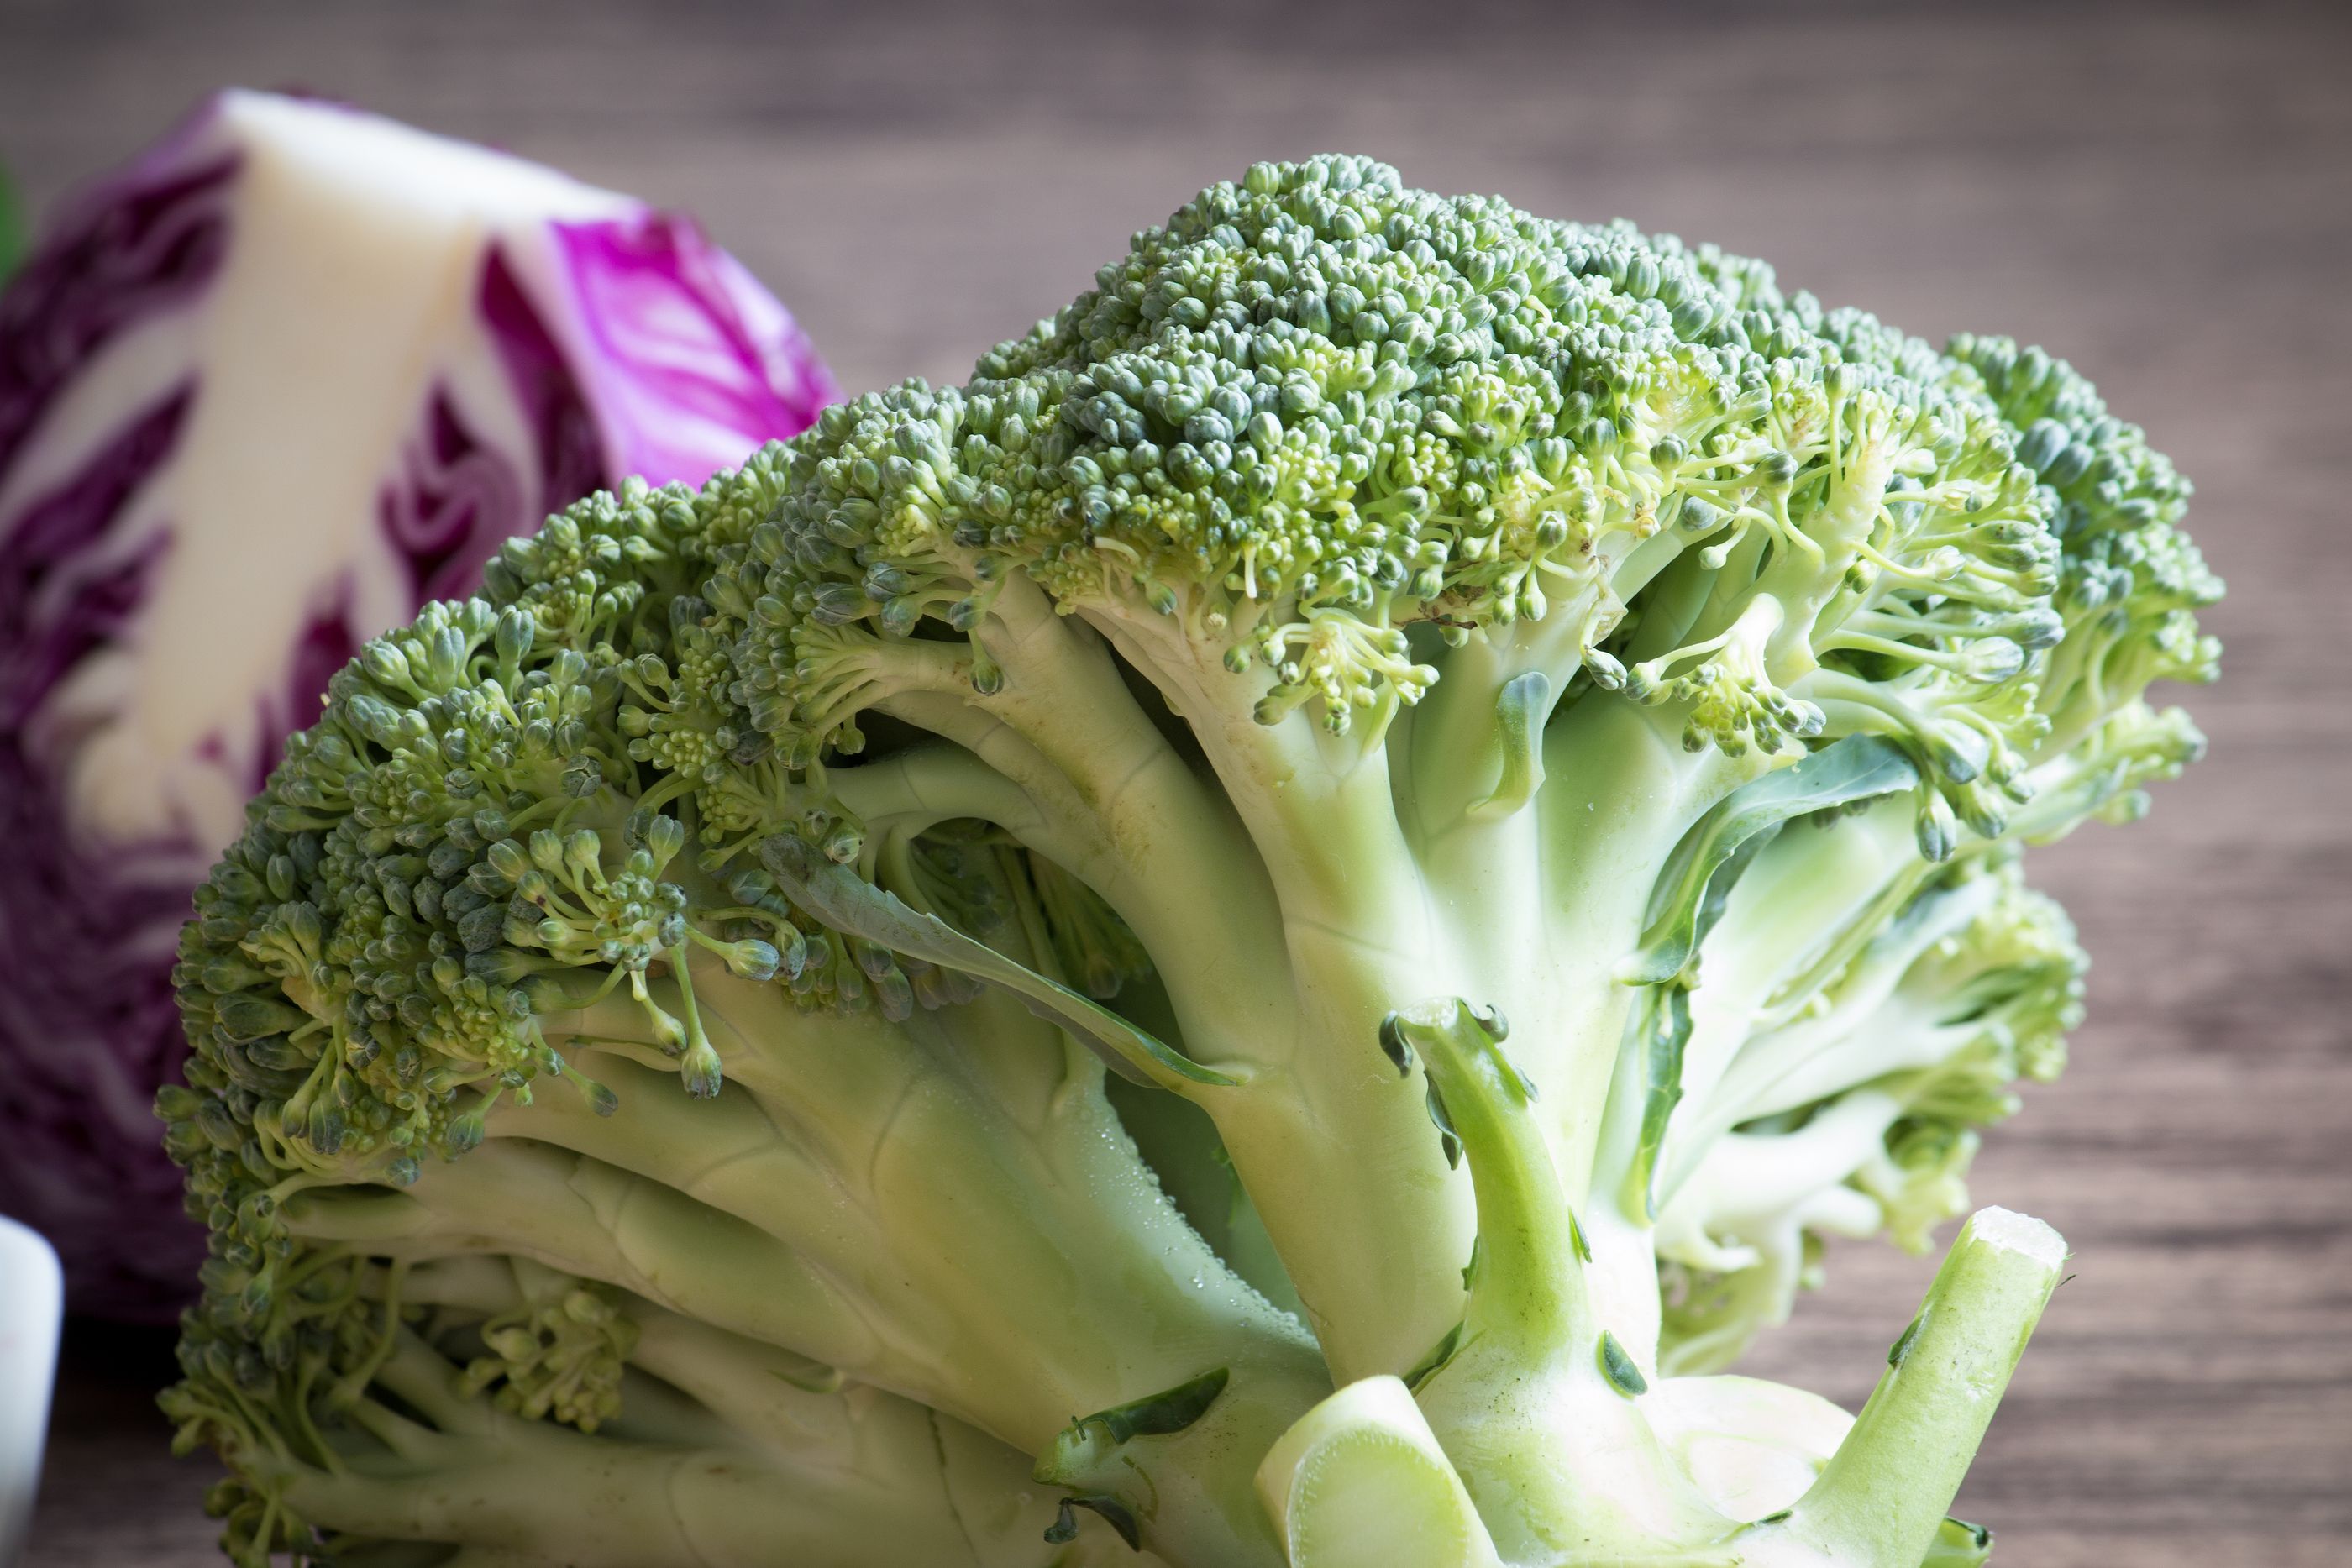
1619	1368
1434	1361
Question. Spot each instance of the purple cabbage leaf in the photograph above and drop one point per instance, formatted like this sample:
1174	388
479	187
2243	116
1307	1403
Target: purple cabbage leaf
287	375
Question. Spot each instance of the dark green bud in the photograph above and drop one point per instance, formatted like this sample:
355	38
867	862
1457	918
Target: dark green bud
701	1069
1618	1367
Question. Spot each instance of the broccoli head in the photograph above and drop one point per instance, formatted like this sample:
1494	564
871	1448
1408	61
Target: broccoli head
929	1002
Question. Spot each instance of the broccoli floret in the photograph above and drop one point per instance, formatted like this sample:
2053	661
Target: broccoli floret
1364	617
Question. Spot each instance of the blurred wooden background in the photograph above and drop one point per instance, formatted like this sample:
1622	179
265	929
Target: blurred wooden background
2163	195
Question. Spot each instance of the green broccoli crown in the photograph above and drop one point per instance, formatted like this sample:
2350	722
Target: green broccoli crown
1318	414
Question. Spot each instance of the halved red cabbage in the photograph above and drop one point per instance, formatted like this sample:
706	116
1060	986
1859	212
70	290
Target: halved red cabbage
291	372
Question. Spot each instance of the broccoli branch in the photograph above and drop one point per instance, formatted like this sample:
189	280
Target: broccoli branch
459	1470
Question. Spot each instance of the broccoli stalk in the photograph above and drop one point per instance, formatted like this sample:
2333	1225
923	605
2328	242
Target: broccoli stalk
789	1467
1018	815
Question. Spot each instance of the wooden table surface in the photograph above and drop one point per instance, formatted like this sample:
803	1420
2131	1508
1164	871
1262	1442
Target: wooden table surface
2164	196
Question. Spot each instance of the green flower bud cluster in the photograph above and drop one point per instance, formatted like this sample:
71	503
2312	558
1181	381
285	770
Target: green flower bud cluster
245	1395
1317	409
1313	410
559	1360
2132	581
2008	989
2106	772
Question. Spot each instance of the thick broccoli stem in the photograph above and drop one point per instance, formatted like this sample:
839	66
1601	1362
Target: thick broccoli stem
1620	792
1537	1407
1360	1479
1373	921
1541	928
586	1217
1349	1183
1086	779
1533	915
1317	806
1375	1269
914	1458
1157	841
1310	1127
464	1471
1882	1497
1120	807
798	1415
1369	919
924	1156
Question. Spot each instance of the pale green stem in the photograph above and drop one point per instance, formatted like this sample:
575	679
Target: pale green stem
1190	886
800	1415
1318	807
1104	1294
1538	1407
1366	1223
1621	792
1883	1495
1458	756
1526	1295
924	785
501	1483
1807	889
1361	1482
588	1218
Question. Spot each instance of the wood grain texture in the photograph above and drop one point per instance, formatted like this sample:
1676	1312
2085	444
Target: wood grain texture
2164	196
